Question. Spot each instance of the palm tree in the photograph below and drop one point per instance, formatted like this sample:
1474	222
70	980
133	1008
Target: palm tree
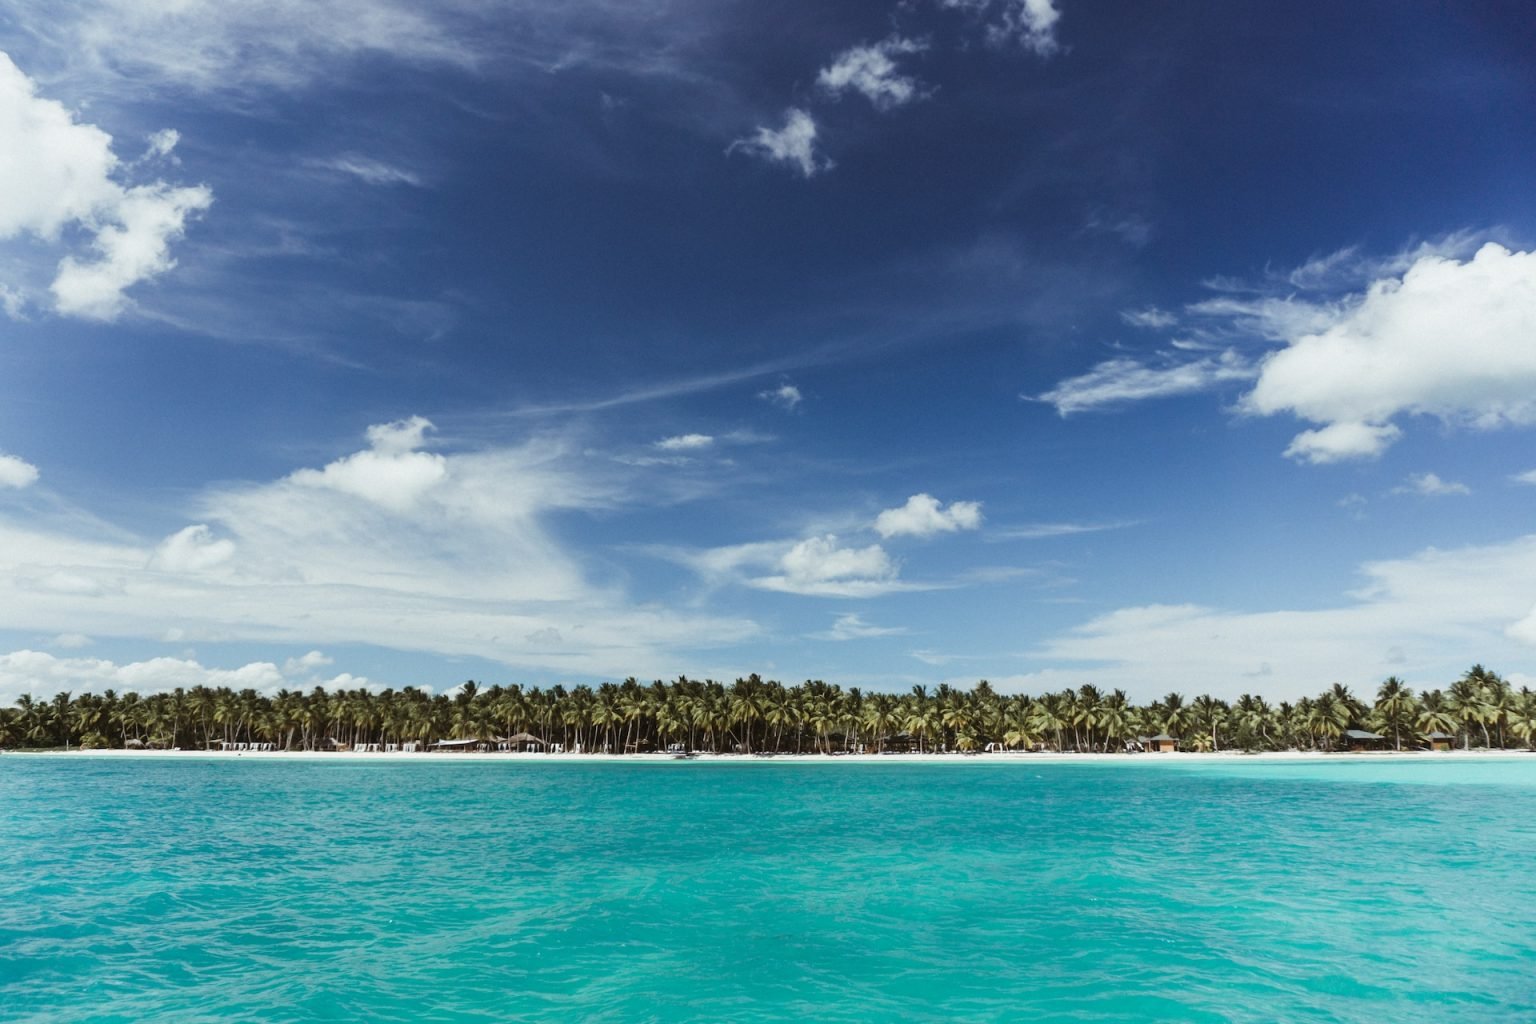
1210	714
1395	707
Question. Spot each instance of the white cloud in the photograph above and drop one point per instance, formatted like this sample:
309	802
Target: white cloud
307	664
852	627
924	515
16	472
794	144
1429	485
816	566
71	641
1439	336
1425	617
391	546
786	396
1449	339
162	145
42	674
821	566
1339	442
872	71
1041	531
368	170
1030	23
392	473
59	174
191	550
685	442
1151	317
214	46
1121	380
1528	477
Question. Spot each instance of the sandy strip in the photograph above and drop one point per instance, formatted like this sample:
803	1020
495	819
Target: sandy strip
1292	756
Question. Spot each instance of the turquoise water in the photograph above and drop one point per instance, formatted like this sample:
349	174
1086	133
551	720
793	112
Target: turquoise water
224	890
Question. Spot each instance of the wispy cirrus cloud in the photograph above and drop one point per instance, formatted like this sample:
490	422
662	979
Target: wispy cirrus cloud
1429	485
369	170
394	545
852	627
1124	380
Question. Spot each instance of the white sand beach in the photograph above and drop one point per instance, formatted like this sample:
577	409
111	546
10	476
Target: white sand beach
1009	758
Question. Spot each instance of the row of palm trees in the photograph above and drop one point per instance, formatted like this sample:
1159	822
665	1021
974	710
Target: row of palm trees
753	715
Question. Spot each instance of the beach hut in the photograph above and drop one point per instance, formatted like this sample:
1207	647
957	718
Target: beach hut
1162	743
1361	739
523	743
456	746
1440	740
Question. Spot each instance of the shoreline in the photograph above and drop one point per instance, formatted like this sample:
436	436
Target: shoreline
395	757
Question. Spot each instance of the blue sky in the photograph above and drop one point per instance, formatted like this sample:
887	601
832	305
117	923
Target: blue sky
1165	347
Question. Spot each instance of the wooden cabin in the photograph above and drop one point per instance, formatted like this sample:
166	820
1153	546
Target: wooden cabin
1362	739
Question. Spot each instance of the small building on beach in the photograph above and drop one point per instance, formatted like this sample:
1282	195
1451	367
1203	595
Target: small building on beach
522	743
1362	739
1440	741
1162	743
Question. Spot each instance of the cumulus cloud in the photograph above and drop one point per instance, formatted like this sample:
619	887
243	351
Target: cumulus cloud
192	550
872	72
785	396
1528	477
1429	485
1340	442
392	473
1121	380
924	515
16	472
307	663
1441	335
793	144
820	566
60	174
685	442
42	674
1450	339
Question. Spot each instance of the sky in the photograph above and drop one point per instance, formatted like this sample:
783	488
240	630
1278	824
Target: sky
368	343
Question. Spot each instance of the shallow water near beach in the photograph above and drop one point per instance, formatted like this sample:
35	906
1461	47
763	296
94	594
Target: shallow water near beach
1222	890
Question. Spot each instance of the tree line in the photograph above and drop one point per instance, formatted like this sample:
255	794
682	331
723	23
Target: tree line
754	715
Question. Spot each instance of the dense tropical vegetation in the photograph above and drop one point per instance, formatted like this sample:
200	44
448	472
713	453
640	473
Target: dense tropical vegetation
754	715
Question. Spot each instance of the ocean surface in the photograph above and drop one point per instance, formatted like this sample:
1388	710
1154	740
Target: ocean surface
244	890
